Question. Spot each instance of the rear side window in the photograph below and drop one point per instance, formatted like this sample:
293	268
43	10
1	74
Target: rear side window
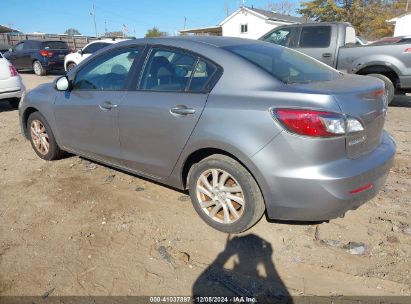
203	73
55	45
94	47
315	36
31	45
168	70
285	64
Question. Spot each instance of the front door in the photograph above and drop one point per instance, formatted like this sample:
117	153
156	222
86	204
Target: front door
15	56
158	116
87	116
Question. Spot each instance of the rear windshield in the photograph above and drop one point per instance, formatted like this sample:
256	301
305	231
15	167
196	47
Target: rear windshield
285	64
55	45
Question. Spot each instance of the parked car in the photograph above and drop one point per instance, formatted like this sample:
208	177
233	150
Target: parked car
246	126
11	86
39	56
73	59
390	40
334	44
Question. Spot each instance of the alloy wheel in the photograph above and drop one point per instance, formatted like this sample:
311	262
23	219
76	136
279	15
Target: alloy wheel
39	137
220	196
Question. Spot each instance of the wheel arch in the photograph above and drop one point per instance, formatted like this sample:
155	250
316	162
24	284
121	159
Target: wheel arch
201	153
25	117
383	70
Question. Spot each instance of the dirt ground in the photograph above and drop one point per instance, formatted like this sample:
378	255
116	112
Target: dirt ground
74	227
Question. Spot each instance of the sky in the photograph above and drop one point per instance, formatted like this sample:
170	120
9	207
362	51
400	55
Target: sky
54	17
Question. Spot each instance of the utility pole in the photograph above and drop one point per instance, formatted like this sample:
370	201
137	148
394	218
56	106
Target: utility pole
227	8
105	27
406	7
185	22
93	13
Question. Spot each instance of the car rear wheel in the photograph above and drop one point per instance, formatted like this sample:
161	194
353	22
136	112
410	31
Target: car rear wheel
389	86
70	66
42	138
225	194
38	68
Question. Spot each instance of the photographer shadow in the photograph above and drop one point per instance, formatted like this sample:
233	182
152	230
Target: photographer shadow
252	274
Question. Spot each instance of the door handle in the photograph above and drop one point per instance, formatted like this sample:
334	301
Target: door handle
182	110
327	55
107	105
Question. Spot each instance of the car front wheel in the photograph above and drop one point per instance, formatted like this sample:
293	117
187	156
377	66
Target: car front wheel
42	138
225	194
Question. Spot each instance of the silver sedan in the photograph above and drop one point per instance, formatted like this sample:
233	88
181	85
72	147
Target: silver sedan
246	126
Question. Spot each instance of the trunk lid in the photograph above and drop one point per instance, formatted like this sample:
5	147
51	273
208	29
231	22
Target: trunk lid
360	97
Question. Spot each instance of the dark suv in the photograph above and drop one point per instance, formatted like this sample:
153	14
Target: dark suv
39	56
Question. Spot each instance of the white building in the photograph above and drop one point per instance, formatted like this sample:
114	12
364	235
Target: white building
246	22
402	25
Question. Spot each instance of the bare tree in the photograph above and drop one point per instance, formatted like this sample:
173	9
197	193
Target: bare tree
285	7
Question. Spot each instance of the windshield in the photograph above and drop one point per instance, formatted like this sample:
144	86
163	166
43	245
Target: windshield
55	45
285	64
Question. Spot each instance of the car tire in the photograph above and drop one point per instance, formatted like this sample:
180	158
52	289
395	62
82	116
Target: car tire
236	189
70	66
42	138
14	103
389	86
38	68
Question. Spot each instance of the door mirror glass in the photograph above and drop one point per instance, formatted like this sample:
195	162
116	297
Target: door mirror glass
62	84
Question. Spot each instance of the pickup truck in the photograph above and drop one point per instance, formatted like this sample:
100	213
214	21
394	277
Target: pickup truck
334	43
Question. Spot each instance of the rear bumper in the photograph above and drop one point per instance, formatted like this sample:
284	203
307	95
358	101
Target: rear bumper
11	88
52	65
319	193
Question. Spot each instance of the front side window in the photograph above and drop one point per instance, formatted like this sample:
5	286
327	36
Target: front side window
315	36
19	47
280	37
108	72
285	64
167	70
94	47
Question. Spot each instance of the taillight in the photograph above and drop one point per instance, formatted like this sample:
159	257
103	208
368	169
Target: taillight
407	50
46	53
316	123
13	71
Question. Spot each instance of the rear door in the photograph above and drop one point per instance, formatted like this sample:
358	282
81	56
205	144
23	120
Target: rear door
87	116
319	42
161	110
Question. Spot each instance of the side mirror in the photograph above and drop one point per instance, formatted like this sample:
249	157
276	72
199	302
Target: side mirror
10	50
80	52
62	84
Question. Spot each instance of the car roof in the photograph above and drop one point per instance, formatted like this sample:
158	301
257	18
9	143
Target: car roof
212	41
